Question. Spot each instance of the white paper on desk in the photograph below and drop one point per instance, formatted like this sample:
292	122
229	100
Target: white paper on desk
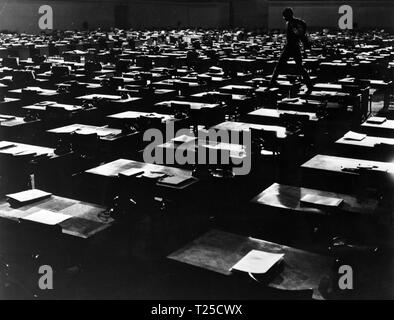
47	217
86	131
6	118
5	145
153	175
45	103
104	133
354	136
376	120
29	195
183	139
290	100
321	200
132	172
257	262
65	130
174	180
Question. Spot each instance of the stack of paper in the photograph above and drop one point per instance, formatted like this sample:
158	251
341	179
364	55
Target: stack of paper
312	199
28	196
354	136
258	262
376	120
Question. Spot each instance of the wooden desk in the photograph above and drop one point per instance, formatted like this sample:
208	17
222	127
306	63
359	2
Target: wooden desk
193	105
35	93
272	116
235	151
300	105
11	106
87	219
376	84
58	114
112	170
21	149
133	115
333	96
368	148
288	198
41	107
236	89
190	88
112	103
18	129
336	164
323	171
241	102
112	142
218	251
19	161
242	126
104	133
200	113
157	95
213	82
386	129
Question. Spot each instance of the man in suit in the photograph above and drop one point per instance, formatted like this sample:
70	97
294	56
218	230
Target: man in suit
295	33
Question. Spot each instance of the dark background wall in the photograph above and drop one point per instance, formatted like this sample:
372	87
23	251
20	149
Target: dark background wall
22	15
324	13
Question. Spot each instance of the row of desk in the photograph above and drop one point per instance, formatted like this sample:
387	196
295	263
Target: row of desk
75	108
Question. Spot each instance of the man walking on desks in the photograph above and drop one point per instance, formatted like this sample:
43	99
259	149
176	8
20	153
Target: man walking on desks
295	33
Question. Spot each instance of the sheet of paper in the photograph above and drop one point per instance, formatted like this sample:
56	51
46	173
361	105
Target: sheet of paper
321	200
47	217
174	180
65	130
257	262
132	172
183	139
5	145
6	118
